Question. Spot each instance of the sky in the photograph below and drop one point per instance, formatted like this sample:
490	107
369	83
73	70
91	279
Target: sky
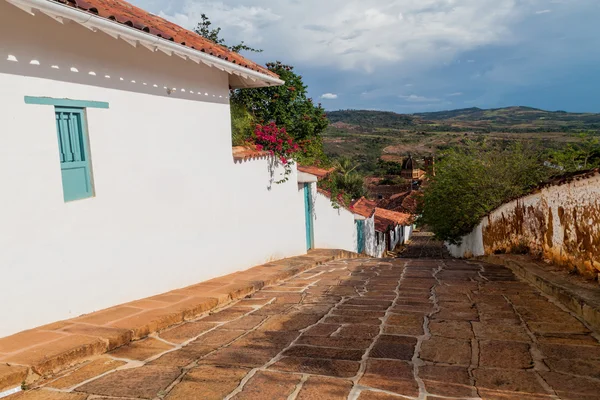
419	55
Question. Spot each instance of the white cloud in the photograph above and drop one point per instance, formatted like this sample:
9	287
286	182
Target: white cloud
329	96
455	94
413	98
360	35
543	12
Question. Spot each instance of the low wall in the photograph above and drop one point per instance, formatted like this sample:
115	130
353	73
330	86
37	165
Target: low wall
334	228
560	222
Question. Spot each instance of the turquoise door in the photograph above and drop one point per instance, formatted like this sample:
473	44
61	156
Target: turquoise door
308	216
74	153
360	236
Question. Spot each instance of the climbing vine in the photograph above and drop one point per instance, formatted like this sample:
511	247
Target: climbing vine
279	144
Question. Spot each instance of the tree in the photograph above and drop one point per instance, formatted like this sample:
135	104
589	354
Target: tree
471	182
582	155
203	29
288	106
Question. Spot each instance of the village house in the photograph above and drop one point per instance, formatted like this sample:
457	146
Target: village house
396	227
118	175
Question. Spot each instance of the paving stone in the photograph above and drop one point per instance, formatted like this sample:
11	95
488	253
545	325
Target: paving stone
372	395
393	376
447	381
495	383
500	331
336	368
339	342
47	395
551	327
445	350
559	338
269	385
358	332
186	331
208	382
570	351
324	352
289	322
590	368
183	357
569	387
322	330
145	382
245	323
225	315
241	356
358	313
12	376
396	347
281	339
346	319
318	388
457	313
451	329
510	355
85	372
142	349
54	356
218	337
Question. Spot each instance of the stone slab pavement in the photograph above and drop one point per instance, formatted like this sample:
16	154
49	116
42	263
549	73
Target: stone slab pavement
367	329
31	355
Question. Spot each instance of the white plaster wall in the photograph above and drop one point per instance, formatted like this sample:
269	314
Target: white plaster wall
408	230
167	193
371	247
471	244
380	246
333	228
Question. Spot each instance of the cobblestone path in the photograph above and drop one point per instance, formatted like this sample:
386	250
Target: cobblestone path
359	329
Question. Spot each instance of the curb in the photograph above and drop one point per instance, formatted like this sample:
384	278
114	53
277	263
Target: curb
584	302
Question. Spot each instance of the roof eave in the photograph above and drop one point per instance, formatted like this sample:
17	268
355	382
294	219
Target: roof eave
241	77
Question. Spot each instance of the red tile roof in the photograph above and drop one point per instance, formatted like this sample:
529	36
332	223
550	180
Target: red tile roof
320	173
124	13
242	153
385	218
363	207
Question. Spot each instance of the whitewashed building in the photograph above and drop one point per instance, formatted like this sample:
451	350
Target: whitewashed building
116	166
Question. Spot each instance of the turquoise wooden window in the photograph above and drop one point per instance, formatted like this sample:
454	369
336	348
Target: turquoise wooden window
74	153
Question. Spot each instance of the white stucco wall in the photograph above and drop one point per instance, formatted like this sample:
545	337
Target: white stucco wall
372	248
470	246
171	208
333	228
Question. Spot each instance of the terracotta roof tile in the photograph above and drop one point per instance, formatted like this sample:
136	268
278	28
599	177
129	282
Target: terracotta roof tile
320	173
364	207
243	153
124	13
384	218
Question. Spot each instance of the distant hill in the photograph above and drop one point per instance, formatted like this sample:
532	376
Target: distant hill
509	119
369	136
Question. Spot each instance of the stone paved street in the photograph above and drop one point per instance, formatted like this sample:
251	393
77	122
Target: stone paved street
359	329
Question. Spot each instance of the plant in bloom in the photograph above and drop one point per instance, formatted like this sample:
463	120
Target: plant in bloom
278	143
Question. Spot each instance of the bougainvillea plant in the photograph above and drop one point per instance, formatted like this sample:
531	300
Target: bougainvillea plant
279	143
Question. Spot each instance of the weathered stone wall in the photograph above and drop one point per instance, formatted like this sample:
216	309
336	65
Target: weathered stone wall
560	222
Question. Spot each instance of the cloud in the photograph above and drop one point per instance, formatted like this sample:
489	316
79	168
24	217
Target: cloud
413	98
455	94
329	96
543	12
366	35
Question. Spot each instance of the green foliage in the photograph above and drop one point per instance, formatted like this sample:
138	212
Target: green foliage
242	125
287	105
577	156
203	29
471	182
344	184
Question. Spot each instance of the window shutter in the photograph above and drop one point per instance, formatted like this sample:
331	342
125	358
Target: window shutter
74	154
